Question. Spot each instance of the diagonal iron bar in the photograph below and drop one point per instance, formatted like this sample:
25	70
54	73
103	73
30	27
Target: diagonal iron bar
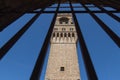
40	61
7	46
110	33
107	12
85	53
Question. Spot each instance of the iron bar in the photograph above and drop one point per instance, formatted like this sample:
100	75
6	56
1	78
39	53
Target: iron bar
110	33
6	47
115	6
110	14
50	12
40	61
115	1
75	11
85	53
6	19
69	7
79	12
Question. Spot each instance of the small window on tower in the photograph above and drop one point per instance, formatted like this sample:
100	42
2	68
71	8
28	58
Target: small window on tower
61	34
57	34
62	69
53	34
71	22
73	35
65	35
68	34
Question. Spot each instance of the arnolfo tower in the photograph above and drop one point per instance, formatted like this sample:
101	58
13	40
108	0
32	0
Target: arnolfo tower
63	59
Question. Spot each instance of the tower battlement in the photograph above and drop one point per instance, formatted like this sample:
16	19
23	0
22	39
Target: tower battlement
64	30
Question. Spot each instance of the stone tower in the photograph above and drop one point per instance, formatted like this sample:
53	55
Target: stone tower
63	59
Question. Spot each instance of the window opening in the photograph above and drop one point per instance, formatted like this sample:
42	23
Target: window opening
57	34
61	34
53	34
62	69
68	34
73	35
65	35
71	22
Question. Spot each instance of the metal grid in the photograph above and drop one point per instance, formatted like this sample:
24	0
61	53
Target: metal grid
87	60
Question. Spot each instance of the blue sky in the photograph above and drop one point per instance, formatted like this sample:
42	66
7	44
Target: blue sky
19	61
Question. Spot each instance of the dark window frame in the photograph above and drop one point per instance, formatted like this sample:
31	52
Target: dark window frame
62	68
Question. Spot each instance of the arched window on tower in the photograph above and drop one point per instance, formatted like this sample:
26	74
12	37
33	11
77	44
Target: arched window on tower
73	35
61	34
53	34
68	34
63	20
65	35
57	34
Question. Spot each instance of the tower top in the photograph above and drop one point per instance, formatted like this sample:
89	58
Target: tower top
64	30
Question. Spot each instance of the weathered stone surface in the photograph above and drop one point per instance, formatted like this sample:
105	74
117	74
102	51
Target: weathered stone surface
63	51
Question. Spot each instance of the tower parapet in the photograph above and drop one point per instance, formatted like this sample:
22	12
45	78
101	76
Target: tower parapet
64	30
